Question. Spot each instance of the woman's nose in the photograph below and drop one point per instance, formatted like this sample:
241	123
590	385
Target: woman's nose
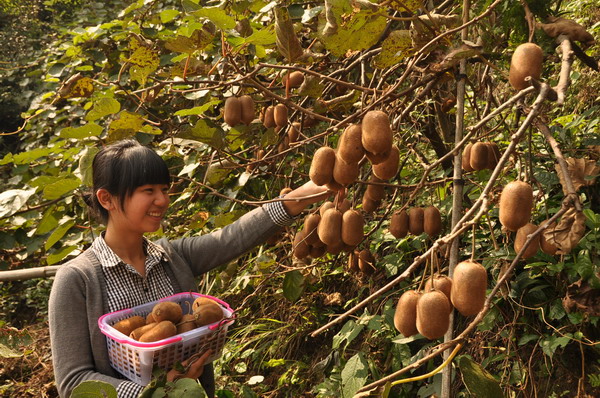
162	198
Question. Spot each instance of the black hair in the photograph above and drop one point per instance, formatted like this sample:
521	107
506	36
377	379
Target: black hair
122	167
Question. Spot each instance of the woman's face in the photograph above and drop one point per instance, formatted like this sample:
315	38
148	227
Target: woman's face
143	210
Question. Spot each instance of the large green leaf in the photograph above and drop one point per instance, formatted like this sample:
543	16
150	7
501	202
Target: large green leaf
61	187
103	107
85	131
217	16
94	389
125	126
354	375
395	47
59	255
481	383
59	232
14	200
293	285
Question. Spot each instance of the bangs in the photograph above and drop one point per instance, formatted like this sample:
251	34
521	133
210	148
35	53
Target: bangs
140	166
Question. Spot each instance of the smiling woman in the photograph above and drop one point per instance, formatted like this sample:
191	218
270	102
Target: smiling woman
123	269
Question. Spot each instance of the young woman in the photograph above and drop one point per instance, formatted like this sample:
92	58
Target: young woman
123	269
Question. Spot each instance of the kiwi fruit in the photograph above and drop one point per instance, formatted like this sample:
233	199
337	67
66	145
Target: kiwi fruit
285	191
330	227
516	202
321	167
377	158
269	117
317	251
137	333
350	144
333	185
376	132
526	61
232	114
442	283
300	247
295	79
325	206
479	156
405	317
352	227
167	311
280	114
294	132
366	262
521	237
187	323
335	248
469	282
466	157
432	221
399	224
375	191
150	318
344	173
201	301
433	314
369	205
493	155
416	220
311	222
344	206
248	111
162	330
388	169
128	325
208	313
353	262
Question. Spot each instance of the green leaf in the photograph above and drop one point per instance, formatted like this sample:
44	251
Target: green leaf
48	222
144	61
217	16
395	47
60	188
481	383
167	16
188	43
103	107
85	131
349	332
59	255
59	233
198	110
263	37
11	342
30	156
202	132
85	165
94	389
354	375
124	126
13	200
293	285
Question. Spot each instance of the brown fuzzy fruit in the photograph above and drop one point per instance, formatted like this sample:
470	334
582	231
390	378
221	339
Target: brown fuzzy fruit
311	222
300	247
377	158
167	311
294	132
493	155
208	313
317	251
388	169
369	205
345	173
330	227
162	330
399	224
526	61
521	237
296	78
376	132
353	262
200	301
269	117
352	227
416	219
479	156
350	144
335	248
469	282
248	111
432	221
150	318
466	158
375	191
187	323
126	326
321	167
442	283
433	314
285	191
516	202
137	333
280	115
232	114
405	317
366	262
344	206
326	206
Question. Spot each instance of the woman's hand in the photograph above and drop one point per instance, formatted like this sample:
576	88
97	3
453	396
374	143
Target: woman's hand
194	366
311	193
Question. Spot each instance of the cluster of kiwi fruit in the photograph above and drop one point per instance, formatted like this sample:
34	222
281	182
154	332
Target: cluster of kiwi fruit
416	221
480	156
167	320
361	261
274	116
335	228
428	312
239	110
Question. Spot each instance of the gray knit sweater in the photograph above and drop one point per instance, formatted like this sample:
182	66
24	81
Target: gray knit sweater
78	297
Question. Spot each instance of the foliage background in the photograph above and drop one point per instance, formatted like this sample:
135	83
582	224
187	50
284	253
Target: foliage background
132	56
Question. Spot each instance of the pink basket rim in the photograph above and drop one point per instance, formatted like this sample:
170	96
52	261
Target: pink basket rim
103	326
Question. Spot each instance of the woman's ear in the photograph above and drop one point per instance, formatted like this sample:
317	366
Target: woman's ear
105	199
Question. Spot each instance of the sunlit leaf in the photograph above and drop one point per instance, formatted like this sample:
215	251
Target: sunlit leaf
217	16
144	61
61	187
354	375
94	389
58	233
167	16
85	131
103	107
197	40
198	110
14	200
124	126
395	47
481	383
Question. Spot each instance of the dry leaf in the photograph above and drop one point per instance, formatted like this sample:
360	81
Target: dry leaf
568	232
582	297
561	26
287	42
580	171
333	299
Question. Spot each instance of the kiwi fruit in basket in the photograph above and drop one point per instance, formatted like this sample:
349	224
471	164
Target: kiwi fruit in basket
248	111
330	227
208	313
526	61
350	144
521	238
232	113
199	301
416	219
187	323
167	311
399	224
405	317
352	227
469	284
376	132
433	314
516	202
321	167
388	169
128	325
137	333
162	330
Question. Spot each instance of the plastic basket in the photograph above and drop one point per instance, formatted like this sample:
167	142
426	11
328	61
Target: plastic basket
135	360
